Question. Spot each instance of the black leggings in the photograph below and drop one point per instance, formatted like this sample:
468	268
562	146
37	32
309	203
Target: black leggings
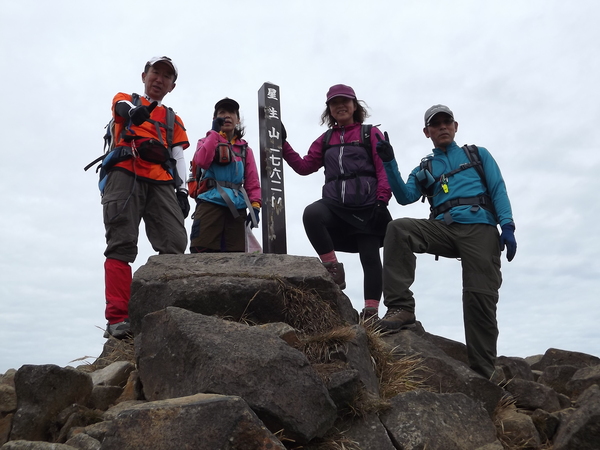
319	222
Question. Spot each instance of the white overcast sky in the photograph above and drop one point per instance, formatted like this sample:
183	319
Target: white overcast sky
520	75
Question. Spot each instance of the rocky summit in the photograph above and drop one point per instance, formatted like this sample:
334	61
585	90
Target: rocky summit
263	351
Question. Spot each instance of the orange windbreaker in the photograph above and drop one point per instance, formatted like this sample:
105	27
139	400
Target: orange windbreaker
145	169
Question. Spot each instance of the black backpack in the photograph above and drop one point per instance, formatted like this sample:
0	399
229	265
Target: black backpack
112	155
427	183
365	140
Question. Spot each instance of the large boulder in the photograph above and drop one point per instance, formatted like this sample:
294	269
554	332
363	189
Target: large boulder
201	421
257	288
444	373
581	429
43	392
421	419
182	353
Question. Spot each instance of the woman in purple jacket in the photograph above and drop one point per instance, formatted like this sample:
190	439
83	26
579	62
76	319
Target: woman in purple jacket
352	215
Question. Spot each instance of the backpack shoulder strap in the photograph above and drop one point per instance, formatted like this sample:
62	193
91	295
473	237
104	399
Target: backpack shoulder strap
326	139
365	136
472	152
170	126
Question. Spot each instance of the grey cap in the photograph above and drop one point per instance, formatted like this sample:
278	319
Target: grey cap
435	109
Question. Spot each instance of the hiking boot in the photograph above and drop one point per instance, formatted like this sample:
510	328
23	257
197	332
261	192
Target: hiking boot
120	330
396	319
369	314
336	269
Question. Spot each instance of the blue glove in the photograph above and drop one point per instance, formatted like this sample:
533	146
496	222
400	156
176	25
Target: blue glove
507	239
384	148
217	123
253	212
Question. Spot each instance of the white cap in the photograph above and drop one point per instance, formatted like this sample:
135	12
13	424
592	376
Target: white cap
165	59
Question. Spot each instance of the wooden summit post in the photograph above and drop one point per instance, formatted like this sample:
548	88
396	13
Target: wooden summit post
271	170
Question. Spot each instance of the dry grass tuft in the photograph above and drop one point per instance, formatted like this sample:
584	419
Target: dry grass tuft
396	374
508	440
114	350
319	347
306	311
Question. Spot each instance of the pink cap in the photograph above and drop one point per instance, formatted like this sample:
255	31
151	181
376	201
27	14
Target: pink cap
340	90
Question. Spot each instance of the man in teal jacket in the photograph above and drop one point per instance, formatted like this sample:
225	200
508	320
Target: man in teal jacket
466	210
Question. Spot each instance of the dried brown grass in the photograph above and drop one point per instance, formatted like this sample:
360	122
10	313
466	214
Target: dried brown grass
305	310
396	373
506	438
320	347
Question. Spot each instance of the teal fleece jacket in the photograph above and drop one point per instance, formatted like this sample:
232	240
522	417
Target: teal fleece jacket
466	183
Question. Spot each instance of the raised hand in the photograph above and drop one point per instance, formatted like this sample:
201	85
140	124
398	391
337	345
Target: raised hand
384	148
141	113
217	123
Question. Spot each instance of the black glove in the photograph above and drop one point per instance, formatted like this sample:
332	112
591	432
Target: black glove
384	149
141	113
184	202
507	239
217	123
253	212
283	134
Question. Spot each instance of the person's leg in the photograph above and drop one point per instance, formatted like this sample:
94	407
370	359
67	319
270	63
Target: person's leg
207	229
405	237
234	232
368	251
121	202
480	255
164	220
318	220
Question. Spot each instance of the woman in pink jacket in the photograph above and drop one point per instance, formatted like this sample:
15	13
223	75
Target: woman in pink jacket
227	185
352	215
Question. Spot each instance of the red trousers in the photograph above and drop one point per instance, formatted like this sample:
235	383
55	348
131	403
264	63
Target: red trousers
117	279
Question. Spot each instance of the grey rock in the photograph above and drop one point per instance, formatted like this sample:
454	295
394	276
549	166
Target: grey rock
343	387
513	367
531	395
33	445
259	288
201	421
183	353
43	392
8	399
557	357
115	374
583	379
454	349
105	396
284	331
546	423
557	378
5	426
368	432
581	429
443	373
519	430
83	441
421	419
356	354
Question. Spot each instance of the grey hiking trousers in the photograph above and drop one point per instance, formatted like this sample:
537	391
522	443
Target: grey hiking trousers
126	202
478	247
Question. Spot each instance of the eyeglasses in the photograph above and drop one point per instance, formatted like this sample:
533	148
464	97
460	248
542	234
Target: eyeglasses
438	122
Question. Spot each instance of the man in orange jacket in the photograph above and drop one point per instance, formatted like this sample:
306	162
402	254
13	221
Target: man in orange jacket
147	182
